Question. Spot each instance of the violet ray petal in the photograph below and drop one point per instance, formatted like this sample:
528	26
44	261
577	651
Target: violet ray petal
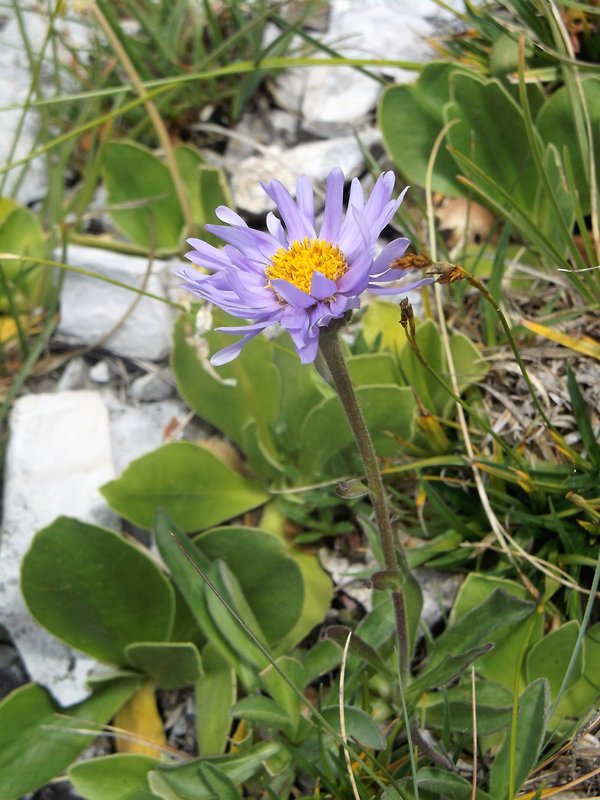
244	264
341	304
227	354
356	234
357	283
193	288
229	216
387	215
199	244
334	200
275	228
291	294
244	329
205	249
325	318
294	319
248	294
357	195
374	289
363	227
381	194
322	287
208	263
306	345
305	198
243	238
297	226
390	253
390	275
358	272
191	275
350	239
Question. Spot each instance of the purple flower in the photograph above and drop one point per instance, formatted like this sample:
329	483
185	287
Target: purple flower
293	275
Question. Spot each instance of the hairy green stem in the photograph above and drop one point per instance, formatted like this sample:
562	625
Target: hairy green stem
393	555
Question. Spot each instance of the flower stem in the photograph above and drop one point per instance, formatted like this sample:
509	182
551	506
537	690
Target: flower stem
393	555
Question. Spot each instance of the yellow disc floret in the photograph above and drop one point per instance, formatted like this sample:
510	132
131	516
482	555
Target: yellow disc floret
298	263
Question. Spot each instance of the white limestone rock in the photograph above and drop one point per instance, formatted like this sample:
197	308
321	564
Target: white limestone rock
100	372
91	308
152	387
59	453
439	593
75	376
136	431
333	100
315	159
18	135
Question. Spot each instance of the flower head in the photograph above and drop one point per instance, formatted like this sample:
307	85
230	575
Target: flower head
293	275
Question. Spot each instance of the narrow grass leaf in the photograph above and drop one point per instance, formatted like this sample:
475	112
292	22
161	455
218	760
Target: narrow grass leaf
580	344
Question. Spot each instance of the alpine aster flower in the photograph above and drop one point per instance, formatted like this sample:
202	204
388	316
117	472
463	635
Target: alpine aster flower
292	275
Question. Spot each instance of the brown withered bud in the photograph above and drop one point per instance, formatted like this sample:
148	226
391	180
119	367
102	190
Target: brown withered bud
448	273
407	316
406	308
412	261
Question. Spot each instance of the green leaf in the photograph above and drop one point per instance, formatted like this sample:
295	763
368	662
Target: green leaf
21	233
95	591
504	664
270	580
36	744
498	610
328	447
183	779
318	589
239	638
556	125
445	671
377	626
430	392
281	692
468	362
317	595
411	117
138	182
545	212
448	785
453	709
324	656
216	781
582	417
118	777
229	396
360	649
214	192
215	696
170	664
172	543
373	368
299	393
550	657
530	730
192	484
263	463
206	187
264	711
584	694
359	726
380	324
502	152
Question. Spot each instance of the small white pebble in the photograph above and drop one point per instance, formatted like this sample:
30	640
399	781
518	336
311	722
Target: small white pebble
100	372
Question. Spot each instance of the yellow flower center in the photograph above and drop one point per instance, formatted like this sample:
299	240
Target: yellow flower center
299	262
